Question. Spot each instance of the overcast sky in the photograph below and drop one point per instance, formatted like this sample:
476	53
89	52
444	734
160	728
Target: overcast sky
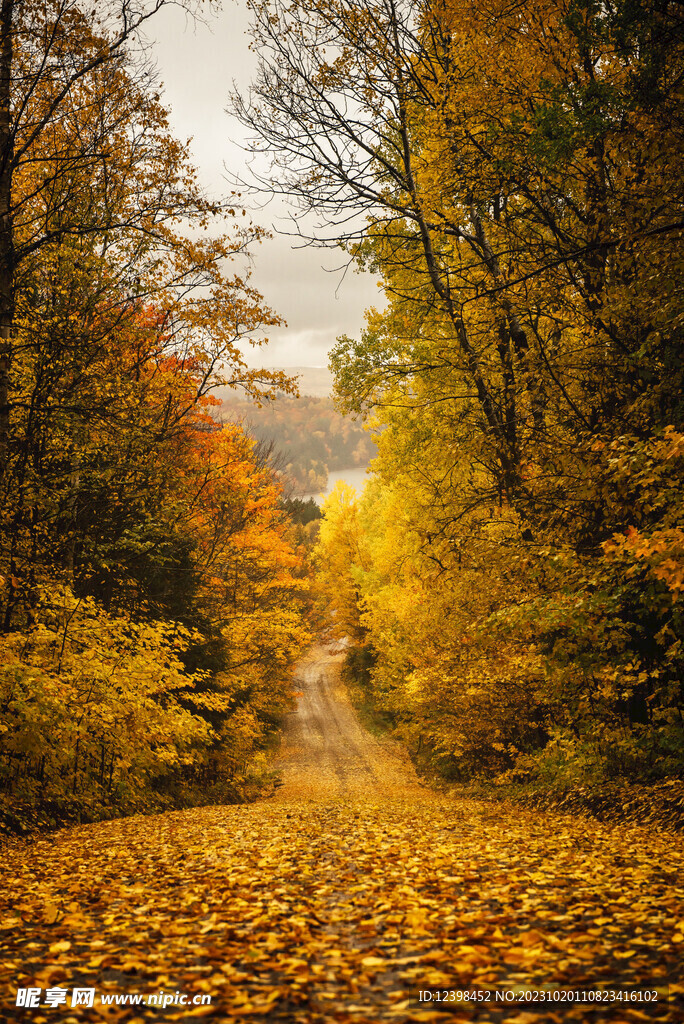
198	64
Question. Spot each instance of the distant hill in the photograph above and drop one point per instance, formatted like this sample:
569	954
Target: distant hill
310	437
316	381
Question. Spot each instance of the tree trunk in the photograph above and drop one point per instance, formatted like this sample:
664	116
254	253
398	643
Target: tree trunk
6	226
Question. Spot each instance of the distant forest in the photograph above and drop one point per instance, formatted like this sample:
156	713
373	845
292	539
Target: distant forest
310	437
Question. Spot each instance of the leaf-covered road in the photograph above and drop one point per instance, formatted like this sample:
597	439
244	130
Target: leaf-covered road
334	900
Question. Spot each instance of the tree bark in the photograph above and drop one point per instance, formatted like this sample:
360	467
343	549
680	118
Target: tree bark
6	226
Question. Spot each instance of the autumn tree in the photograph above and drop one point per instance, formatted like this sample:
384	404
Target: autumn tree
520	172
445	123
49	52
120	707
124	505
124	317
340	554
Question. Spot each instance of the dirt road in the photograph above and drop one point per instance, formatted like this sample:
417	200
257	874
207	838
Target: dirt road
339	899
326	753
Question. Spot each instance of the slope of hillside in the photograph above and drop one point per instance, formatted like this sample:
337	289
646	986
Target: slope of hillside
310	438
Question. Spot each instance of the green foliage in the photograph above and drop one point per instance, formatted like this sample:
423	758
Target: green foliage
302	512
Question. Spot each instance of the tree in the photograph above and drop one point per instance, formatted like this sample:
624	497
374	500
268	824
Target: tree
48	52
160	667
91	709
520	169
147	581
124	315
338	554
509	163
77	96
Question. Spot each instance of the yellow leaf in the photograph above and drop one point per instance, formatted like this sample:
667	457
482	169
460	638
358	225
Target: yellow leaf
60	947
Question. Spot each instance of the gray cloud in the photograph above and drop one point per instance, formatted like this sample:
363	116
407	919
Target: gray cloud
198	64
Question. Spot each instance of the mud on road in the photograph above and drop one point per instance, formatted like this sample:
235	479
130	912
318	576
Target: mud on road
326	752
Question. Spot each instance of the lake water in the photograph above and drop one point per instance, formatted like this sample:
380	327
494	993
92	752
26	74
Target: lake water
356	477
